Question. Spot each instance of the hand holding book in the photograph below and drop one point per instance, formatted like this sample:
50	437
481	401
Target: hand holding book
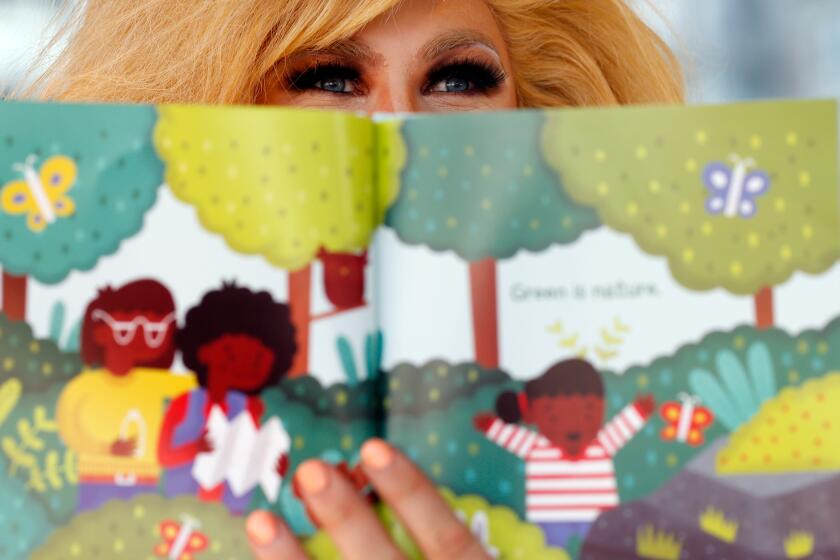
334	501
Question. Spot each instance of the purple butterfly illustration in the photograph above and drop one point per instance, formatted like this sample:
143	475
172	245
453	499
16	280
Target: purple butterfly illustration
733	190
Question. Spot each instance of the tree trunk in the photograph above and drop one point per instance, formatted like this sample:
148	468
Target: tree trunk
14	297
764	312
300	301
484	312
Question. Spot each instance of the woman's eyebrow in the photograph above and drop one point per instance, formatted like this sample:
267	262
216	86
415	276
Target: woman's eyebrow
346	48
455	40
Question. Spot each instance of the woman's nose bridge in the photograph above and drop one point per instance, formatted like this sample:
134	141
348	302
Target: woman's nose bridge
393	96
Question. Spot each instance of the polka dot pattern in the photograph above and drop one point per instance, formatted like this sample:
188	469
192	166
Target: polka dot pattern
279	184
642	169
118	179
477	185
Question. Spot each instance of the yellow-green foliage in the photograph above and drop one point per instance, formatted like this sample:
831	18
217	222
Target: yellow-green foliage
391	152
10	392
47	469
715	523
280	184
799	544
794	432
642	169
657	544
132	529
509	537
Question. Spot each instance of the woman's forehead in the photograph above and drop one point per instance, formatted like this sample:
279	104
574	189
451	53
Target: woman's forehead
431	27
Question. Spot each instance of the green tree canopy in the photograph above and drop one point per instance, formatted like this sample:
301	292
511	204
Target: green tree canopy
278	183
102	202
646	171
478	186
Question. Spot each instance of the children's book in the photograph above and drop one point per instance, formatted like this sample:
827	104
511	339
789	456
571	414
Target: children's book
603	333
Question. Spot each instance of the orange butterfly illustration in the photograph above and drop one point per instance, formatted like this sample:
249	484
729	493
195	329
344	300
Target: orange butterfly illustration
686	420
41	194
181	541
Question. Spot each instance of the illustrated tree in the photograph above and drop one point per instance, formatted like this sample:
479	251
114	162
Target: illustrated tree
75	181
290	186
735	197
480	188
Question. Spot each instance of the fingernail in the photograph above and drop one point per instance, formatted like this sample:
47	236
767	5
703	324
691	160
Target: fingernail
261	528
312	476
377	454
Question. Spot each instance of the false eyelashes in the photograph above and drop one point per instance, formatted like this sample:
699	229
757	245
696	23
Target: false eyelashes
482	77
309	77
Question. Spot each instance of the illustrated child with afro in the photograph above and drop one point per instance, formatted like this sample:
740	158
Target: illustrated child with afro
569	475
238	343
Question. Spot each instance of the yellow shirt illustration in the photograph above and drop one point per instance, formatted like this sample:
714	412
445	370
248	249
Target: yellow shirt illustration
97	408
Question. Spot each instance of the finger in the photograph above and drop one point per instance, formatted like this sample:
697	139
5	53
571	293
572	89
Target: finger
339	509
416	501
271	539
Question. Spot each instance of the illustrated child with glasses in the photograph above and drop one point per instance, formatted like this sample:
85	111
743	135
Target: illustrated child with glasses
110	415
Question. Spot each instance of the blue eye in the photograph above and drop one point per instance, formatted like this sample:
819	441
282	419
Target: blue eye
465	76
329	78
457	85
333	85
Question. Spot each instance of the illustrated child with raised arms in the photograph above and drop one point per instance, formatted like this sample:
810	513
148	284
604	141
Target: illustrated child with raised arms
569	474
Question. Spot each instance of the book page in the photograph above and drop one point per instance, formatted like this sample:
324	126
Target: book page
620	327
174	280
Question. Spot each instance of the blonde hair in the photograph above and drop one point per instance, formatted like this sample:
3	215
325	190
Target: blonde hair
563	52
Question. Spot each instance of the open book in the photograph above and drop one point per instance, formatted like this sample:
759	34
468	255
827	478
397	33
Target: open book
604	333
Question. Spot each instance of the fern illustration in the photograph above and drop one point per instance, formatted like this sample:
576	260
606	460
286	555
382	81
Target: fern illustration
72	341
737	392
348	360
373	357
373	352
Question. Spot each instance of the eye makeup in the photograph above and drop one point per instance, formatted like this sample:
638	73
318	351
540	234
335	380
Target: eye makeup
473	75
331	77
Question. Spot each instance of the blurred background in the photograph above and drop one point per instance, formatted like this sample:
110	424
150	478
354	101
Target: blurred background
731	49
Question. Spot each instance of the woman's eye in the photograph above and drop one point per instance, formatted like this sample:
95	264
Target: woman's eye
327	78
453	85
465	77
334	85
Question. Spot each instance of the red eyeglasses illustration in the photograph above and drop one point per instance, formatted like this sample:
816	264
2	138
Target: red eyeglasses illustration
154	332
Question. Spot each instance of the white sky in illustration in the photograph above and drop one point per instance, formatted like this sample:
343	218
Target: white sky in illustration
423	298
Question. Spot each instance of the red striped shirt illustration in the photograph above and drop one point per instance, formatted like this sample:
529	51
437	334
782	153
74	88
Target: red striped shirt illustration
562	489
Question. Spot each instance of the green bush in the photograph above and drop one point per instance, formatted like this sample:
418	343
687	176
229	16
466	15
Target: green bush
24	521
499	529
764	361
38	364
342	401
32	375
132	529
414	390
